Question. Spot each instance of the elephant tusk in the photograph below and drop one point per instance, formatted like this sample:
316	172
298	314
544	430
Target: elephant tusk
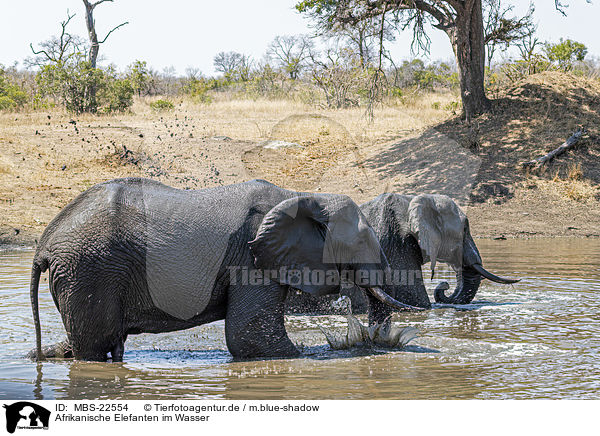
385	298
488	275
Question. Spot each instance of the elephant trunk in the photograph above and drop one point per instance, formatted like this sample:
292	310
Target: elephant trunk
468	277
467	280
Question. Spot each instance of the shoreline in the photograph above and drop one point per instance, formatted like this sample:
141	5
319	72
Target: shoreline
26	240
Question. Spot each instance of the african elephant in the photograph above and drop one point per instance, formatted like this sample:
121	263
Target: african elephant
133	255
413	230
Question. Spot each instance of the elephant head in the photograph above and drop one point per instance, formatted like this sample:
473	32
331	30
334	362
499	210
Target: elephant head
442	231
318	240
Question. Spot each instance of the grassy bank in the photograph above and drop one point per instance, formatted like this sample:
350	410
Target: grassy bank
417	144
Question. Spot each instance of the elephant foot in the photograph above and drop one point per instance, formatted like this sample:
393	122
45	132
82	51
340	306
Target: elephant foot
381	334
254	343
254	325
60	350
117	351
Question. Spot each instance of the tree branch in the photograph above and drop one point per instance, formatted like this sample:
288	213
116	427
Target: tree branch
560	7
457	5
93	5
115	28
436	13
568	144
44	52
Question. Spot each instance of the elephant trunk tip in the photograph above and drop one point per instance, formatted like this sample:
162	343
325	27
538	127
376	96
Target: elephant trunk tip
439	293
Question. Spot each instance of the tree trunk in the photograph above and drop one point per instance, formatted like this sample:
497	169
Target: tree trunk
93	53
469	48
91	27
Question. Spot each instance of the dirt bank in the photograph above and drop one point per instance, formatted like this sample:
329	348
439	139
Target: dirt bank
46	159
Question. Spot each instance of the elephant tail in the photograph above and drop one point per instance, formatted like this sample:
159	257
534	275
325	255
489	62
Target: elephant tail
36	271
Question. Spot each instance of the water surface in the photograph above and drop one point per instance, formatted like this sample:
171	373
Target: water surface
539	338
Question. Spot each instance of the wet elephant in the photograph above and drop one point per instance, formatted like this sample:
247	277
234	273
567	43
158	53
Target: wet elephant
413	230
135	256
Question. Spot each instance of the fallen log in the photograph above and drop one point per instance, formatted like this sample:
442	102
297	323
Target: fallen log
568	144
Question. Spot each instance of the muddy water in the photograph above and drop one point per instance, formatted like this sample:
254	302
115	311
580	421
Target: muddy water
537	339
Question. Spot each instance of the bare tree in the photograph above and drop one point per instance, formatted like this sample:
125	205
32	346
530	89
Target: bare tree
364	38
91	27
193	73
57	49
290	52
501	30
233	65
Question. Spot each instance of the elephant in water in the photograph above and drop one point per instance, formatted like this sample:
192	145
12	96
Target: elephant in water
413	230
135	256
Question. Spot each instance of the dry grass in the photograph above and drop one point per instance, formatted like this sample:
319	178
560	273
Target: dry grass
48	157
581	191
574	171
572	186
5	166
254	120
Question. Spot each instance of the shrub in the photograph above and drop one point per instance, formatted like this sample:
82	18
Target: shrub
341	78
117	95
140	77
75	84
81	88
512	72
565	53
198	89
162	105
11	96
453	106
416	74
6	103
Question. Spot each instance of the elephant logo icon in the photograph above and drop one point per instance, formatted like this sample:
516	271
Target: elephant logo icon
26	415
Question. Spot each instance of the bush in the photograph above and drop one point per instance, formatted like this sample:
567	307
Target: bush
11	96
341	78
117	95
6	103
453	106
162	105
416	74
75	84
81	88
140	77
565	53
198	89
268	82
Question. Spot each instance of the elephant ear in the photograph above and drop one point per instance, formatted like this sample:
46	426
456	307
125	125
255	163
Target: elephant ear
438	224
292	237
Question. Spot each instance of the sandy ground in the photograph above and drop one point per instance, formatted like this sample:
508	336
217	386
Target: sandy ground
46	159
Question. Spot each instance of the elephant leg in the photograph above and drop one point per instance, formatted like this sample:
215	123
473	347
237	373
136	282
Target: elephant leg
60	350
254	324
92	317
118	350
378	311
97	348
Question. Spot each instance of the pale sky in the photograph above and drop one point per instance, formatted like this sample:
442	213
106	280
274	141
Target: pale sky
189	33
